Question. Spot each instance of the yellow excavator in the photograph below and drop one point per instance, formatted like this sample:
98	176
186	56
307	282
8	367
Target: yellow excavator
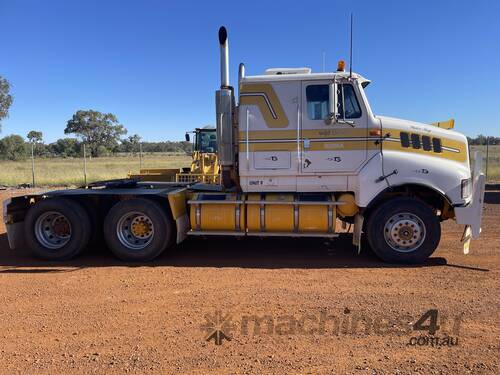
204	165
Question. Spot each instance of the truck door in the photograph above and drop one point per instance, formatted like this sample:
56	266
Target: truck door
268	135
337	147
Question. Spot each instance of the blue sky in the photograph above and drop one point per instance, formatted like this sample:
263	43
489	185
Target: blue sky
155	64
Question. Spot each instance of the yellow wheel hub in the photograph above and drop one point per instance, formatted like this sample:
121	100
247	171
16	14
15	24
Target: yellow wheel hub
140	228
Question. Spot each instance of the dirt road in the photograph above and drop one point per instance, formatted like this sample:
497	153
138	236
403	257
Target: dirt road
287	306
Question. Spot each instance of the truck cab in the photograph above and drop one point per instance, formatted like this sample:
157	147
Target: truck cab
287	142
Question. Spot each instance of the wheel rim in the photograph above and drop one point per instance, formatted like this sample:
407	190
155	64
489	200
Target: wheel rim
53	230
404	232
135	230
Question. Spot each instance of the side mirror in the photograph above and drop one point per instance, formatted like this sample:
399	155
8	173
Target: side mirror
188	139
332	103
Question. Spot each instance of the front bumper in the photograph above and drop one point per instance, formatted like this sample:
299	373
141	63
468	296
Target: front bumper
471	214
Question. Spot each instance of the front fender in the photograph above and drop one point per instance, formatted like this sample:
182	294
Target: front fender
442	175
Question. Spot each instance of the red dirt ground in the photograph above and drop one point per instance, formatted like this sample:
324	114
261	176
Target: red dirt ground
95	314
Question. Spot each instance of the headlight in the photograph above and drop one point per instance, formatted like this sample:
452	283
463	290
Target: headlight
466	188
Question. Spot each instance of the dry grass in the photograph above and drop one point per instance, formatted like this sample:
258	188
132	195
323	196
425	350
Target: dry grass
69	172
493	160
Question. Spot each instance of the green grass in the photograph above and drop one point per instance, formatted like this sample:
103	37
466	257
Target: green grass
69	172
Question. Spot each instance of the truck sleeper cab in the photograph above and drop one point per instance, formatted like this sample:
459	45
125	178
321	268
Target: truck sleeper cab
298	152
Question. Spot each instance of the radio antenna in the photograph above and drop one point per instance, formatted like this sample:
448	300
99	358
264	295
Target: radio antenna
350	51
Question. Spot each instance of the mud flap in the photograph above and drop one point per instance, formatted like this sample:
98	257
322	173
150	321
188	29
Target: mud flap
466	238
358	231
15	235
183	226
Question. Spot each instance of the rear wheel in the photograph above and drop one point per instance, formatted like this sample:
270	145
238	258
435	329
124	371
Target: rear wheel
137	229
403	230
57	229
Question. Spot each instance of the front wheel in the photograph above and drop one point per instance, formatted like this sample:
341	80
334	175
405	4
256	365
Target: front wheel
403	230
137	229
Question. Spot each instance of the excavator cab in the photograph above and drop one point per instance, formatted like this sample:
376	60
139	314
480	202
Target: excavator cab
205	140
204	165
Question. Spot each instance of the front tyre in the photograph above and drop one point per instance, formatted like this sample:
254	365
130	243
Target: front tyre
137	230
57	229
403	230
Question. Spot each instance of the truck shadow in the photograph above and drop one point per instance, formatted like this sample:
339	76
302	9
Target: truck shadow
266	253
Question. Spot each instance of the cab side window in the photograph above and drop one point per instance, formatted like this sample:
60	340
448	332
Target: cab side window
317	102
352	109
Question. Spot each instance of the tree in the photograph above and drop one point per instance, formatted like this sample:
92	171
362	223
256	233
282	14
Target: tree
65	147
481	139
96	129
131	144
35	136
186	146
5	99
12	147
134	139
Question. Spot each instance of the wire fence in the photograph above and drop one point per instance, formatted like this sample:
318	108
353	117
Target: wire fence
58	171
491	158
38	171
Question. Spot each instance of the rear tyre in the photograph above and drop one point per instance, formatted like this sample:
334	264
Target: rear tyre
57	229
403	230
137	230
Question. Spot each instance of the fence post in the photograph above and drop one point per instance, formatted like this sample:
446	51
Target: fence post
84	166
487	155
140	155
33	164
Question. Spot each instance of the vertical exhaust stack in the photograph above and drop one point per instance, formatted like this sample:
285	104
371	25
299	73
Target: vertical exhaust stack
224	58
224	105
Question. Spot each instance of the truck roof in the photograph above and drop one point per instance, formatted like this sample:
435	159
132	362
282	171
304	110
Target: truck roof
287	74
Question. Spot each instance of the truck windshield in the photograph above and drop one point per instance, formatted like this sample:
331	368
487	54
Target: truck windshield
206	141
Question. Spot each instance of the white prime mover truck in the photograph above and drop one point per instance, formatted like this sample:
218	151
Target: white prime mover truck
299	152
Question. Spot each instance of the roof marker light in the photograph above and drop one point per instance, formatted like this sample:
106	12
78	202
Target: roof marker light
341	66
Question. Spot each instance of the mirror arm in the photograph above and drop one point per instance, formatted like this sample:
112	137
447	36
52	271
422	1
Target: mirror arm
333	116
332	104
